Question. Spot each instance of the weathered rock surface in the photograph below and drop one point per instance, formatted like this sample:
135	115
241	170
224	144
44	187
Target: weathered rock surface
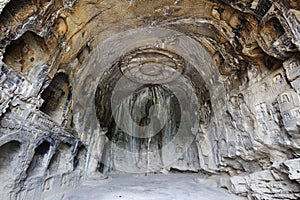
231	73
293	169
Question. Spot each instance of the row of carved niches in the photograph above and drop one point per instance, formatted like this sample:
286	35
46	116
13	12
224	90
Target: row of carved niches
275	102
37	154
278	22
51	165
292	69
289	101
261	120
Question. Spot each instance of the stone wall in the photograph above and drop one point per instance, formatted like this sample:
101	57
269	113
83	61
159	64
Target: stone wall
240	57
37	154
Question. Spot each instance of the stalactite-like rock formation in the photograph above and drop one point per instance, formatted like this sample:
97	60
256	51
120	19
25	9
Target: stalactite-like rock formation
77	76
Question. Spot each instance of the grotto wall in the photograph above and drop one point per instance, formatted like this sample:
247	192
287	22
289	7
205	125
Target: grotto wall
61	62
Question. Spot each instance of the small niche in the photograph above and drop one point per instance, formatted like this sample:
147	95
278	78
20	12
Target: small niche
16	11
14	8
56	96
26	53
80	158
271	31
40	159
9	157
62	160
263	7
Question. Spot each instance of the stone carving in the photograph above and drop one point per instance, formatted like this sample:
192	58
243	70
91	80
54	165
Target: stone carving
152	66
245	79
292	67
289	104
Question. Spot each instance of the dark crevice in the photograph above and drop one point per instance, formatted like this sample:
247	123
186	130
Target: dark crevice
179	171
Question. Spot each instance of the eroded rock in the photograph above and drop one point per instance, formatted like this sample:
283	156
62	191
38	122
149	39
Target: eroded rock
236	61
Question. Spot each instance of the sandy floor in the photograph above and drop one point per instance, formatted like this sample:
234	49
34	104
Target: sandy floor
151	187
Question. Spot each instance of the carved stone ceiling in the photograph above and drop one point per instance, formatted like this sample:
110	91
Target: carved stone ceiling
237	35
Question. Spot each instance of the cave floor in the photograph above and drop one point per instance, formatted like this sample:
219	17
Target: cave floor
151	187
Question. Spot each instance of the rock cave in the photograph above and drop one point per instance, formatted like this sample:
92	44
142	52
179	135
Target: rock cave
137	99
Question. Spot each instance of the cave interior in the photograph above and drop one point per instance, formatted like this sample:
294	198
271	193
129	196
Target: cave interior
201	88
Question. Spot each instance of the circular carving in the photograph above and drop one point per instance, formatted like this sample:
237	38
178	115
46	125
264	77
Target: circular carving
152	65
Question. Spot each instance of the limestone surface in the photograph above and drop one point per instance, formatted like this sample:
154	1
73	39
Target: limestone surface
89	88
